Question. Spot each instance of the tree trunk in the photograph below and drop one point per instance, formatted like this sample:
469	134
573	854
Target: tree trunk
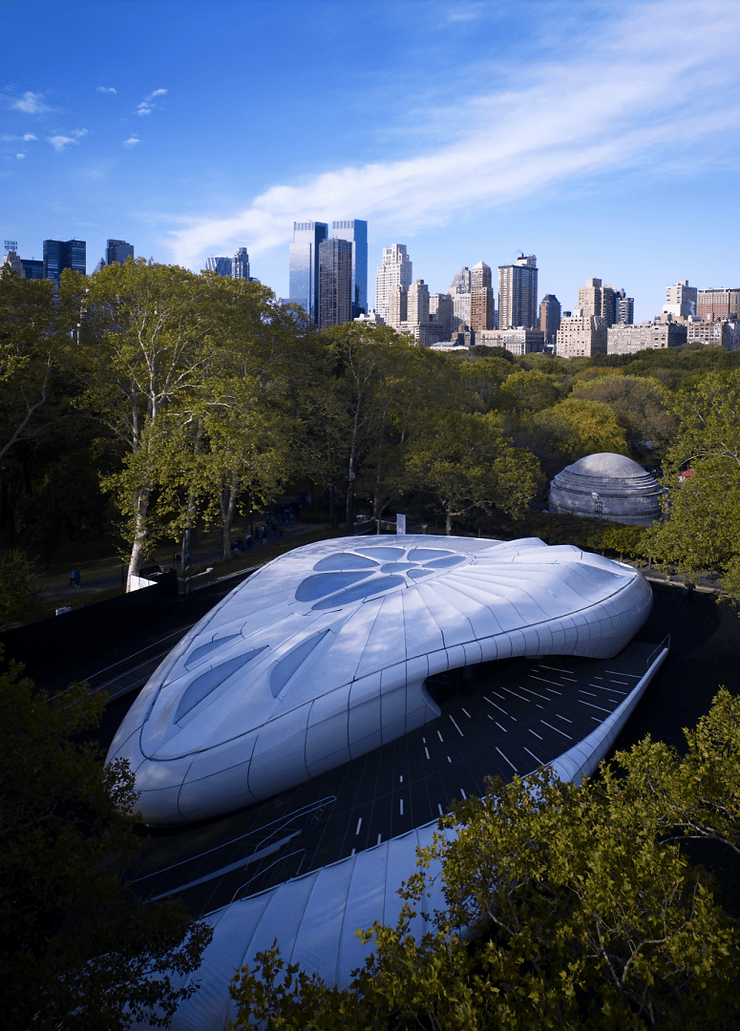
137	548
448	523
228	507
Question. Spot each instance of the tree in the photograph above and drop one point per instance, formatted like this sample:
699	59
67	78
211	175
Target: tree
639	404
18	594
564	907
465	462
144	340
702	525
77	950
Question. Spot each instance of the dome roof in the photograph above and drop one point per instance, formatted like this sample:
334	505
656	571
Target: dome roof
626	493
606	464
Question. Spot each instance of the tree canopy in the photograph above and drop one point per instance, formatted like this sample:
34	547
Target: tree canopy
77	949
564	906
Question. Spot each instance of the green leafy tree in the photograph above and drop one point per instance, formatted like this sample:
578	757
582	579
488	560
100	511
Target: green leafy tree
465	462
18	593
564	907
77	949
702	525
640	406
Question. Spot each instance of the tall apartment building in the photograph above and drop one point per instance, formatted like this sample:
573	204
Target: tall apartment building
517	341
118	250
335	282
718	304
417	305
624	309
714	333
441	311
396	306
550	314
680	300
459	291
482	314
11	262
355	231
59	255
628	339
517	293
582	336
221	266
393	271
240	264
304	266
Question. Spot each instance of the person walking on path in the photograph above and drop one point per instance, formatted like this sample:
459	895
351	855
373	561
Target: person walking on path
74	580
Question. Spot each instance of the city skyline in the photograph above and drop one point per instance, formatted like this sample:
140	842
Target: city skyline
597	136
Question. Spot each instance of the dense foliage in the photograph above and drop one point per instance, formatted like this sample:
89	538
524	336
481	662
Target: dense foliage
562	907
78	950
146	399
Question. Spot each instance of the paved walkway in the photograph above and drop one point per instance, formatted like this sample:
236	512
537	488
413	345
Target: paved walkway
202	560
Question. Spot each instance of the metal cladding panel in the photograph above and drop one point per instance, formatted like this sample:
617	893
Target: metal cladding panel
423	633
393	714
365	901
386	644
281	918
159	805
317	943
326	742
455	627
278	760
213	776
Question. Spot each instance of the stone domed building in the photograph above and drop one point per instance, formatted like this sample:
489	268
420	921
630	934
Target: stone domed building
627	493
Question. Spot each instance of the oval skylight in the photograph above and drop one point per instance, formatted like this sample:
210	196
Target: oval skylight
207	682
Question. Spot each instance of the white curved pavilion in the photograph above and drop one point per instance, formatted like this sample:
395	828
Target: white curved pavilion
323	655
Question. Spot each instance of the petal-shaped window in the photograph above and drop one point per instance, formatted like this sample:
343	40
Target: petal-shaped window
417	574
284	668
427	554
384	554
443	563
345	560
198	654
321	584
361	591
397	567
207	682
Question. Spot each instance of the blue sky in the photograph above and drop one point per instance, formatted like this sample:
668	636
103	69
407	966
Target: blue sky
602	137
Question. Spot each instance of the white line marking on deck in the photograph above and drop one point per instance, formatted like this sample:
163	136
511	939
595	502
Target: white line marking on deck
400	779
440	737
563	718
380	838
400	801
440	809
535	733
534	756
499	726
463	793
507	760
557	731
592	706
456	727
467	713
448	759
427	751
359	824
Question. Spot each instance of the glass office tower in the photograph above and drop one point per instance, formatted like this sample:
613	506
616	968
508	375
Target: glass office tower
335	282
59	255
355	230
118	250
240	264
304	266
220	265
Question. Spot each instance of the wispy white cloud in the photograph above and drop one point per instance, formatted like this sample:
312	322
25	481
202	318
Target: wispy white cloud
31	103
20	155
107	89
60	142
30	136
79	133
640	91
132	141
147	105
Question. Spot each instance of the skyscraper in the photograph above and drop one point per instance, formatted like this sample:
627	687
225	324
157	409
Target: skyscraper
240	264
460	292
481	297
118	250
335	282
59	255
355	230
221	266
394	271
517	293
624	309
680	300
304	266
550	318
